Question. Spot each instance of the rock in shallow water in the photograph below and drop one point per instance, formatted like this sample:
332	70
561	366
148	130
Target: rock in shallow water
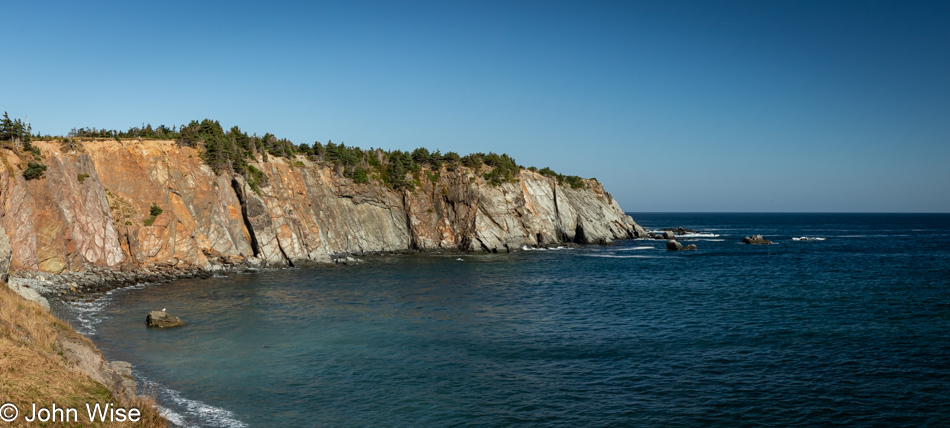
162	319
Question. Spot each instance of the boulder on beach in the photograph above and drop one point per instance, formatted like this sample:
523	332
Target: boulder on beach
162	319
755	240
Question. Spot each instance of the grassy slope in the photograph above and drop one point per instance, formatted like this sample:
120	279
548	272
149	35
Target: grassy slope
33	370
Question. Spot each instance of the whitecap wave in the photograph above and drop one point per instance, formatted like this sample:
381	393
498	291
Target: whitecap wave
808	238
87	313
190	412
527	248
616	256
688	235
698	235
637	248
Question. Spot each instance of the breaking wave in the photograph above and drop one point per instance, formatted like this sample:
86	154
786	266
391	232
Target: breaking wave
190	412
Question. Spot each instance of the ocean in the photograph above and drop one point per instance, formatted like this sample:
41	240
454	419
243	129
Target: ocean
849	327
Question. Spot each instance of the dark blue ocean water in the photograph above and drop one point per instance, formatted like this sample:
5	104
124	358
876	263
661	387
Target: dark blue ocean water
852	330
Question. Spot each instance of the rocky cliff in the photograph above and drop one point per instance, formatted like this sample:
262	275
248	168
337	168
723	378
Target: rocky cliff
91	210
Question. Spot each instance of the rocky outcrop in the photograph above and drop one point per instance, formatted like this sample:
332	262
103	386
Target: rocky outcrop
755	240
673	245
6	253
81	354
162	319
25	291
678	230
92	212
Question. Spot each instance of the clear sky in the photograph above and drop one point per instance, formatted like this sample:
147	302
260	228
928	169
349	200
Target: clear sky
674	106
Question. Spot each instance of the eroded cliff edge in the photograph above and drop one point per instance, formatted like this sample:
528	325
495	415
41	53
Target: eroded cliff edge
90	209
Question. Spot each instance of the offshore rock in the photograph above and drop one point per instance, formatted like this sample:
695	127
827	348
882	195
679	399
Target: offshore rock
672	245
679	230
88	220
162	319
755	240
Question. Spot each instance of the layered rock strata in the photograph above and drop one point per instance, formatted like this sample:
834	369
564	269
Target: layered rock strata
91	211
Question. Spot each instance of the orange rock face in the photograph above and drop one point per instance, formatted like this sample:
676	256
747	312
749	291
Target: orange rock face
92	208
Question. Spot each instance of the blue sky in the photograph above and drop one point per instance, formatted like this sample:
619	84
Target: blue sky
674	106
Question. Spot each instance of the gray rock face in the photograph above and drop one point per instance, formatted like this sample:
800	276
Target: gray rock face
6	252
755	240
124	371
91	210
23	288
162	319
668	234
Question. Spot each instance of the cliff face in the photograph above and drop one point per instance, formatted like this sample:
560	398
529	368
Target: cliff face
91	207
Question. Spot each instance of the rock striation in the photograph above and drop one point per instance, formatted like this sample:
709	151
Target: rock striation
91	213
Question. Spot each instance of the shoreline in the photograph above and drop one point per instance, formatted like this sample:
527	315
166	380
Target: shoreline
95	281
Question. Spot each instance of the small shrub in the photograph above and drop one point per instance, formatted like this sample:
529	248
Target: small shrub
575	182
81	177
155	211
34	171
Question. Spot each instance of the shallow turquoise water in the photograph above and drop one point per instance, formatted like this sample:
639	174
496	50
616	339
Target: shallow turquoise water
850	330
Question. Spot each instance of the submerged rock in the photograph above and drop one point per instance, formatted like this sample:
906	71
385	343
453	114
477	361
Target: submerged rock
755	240
162	319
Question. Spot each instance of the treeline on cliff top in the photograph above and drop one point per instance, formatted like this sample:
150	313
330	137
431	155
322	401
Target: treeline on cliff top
231	150
15	134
